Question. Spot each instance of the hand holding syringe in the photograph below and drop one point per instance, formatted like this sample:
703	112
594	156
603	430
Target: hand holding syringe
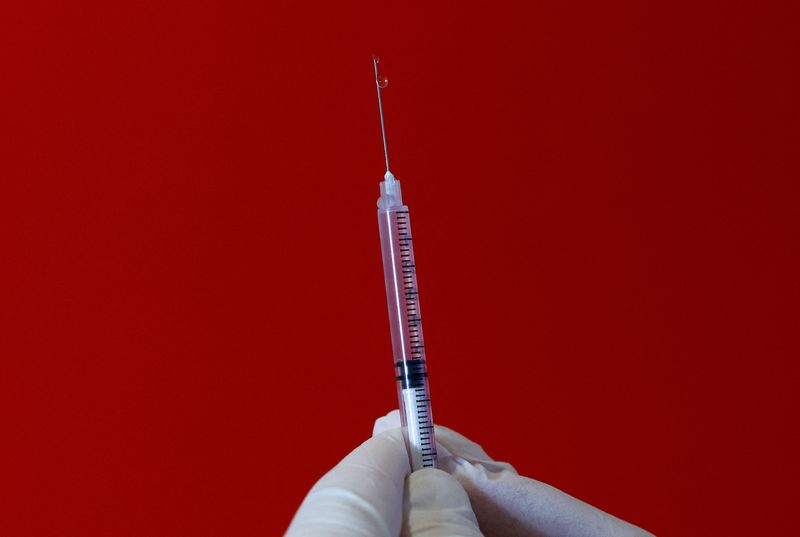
376	491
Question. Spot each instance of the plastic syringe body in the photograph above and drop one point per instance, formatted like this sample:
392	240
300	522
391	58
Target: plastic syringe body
408	347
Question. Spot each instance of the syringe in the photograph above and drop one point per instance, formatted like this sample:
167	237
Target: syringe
405	322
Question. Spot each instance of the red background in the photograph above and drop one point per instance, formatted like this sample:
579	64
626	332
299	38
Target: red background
193	316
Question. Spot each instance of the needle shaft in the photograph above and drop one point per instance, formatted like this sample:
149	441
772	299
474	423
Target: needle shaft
380	109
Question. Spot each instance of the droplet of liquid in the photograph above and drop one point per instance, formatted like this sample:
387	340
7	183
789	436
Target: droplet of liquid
382	81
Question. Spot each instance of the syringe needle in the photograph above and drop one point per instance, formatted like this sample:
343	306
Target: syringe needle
405	321
380	82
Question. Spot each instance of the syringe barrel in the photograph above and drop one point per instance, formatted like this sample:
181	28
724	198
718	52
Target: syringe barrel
405	321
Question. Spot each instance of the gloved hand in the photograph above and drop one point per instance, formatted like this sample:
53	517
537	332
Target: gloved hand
372	494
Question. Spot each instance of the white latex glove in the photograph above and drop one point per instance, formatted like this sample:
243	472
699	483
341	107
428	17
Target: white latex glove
370	493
